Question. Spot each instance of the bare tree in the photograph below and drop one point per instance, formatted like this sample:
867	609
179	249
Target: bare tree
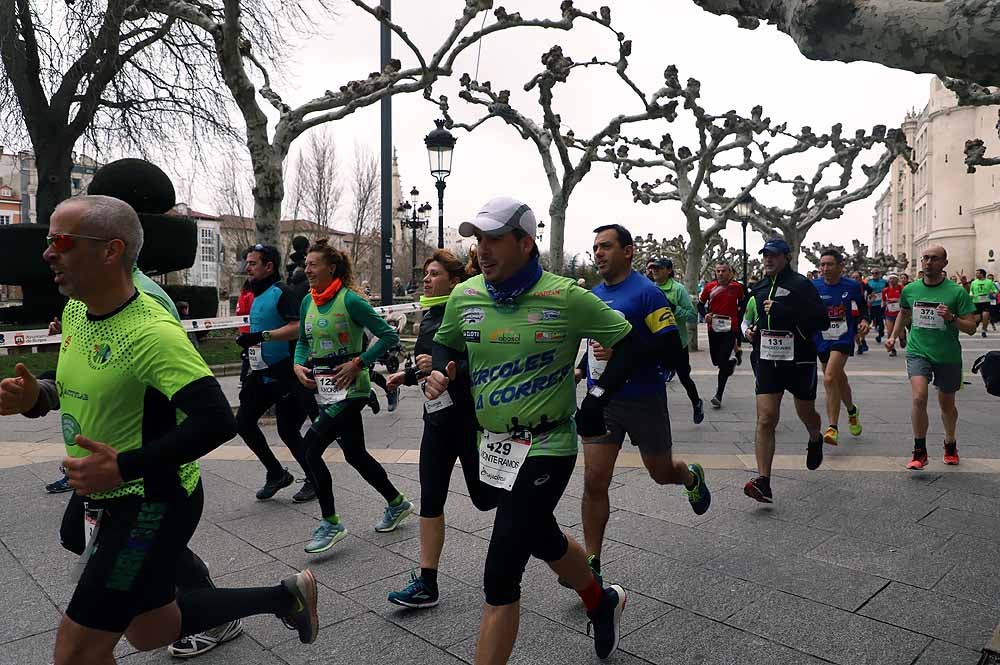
366	205
745	151
566	156
319	177
236	48
101	70
858	257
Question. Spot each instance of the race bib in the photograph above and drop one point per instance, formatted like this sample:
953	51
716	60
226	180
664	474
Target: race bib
985	297
594	366
256	357
91	527
777	345
925	316
836	330
327	393
721	324
443	401
877	300
501	456
892	307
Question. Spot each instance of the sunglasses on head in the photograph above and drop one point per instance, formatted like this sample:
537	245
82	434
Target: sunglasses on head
63	242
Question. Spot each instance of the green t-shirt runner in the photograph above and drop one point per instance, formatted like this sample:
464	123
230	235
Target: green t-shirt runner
116	375
931	337
683	309
981	290
522	356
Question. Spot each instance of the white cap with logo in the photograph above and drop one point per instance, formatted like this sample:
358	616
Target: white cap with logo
500	216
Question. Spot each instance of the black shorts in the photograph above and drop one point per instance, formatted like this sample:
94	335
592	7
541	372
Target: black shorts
644	419
982	307
133	569
775	377
525	526
721	346
846	349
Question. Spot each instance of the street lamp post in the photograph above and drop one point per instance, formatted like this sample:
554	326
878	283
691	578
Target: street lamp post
541	230
743	209
440	145
414	216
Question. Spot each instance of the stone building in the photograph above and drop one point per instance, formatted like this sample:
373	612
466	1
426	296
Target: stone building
941	203
19	184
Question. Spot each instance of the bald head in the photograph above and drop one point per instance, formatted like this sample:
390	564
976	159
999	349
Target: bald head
107	217
933	261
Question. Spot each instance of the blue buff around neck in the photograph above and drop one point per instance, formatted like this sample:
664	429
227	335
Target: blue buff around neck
518	283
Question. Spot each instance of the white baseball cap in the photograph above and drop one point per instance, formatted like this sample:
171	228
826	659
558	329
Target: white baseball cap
500	216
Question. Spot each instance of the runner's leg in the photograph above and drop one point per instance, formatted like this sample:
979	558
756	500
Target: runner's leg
918	412
684	374
806	410
352	442
949	415
599	466
255	399
768	413
837	388
437	460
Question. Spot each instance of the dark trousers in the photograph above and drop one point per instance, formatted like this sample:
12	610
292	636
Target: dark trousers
289	400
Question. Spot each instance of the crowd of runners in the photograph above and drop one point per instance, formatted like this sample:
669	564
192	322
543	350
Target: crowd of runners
502	345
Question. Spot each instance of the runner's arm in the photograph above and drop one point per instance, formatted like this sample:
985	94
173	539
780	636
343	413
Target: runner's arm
967	323
683	309
209	424
361	311
301	354
48	399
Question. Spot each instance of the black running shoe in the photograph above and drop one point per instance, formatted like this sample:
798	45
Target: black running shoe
759	489
393	398
606	621
814	454
59	486
699	412
306	493
373	402
271	487
303	616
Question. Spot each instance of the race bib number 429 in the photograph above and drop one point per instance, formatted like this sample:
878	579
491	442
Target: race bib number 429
501	456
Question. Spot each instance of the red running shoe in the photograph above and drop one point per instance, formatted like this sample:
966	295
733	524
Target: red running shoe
919	460
951	453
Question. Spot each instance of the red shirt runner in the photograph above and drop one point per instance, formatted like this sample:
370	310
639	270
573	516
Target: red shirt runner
723	300
891	295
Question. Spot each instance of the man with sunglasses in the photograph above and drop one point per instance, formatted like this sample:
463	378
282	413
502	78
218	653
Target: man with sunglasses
937	308
126	372
274	325
661	272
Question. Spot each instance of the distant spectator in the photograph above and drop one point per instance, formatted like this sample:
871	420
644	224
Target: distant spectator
244	303
472	267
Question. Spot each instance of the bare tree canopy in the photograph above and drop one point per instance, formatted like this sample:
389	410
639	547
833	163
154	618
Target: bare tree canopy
235	48
950	38
566	156
106	72
858	258
319	176
365	198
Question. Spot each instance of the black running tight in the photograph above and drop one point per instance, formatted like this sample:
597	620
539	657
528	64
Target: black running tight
345	425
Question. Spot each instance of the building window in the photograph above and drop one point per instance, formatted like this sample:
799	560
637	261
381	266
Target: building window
959	210
6	191
5	219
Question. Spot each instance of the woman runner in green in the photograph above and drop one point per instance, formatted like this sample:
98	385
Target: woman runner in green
329	360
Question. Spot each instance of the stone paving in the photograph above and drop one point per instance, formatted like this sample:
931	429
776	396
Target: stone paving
866	565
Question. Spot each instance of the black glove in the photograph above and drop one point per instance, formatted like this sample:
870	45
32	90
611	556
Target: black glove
590	417
246	340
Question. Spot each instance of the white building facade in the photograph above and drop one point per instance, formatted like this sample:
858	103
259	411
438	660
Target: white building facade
941	203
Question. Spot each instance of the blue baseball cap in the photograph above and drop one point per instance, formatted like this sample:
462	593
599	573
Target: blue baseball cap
775	246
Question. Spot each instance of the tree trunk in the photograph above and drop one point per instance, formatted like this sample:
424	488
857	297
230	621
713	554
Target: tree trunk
557	233
794	238
268	194
694	255
55	168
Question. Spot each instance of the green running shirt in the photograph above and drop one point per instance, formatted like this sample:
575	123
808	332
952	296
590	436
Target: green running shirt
940	344
522	356
116	375
980	290
337	328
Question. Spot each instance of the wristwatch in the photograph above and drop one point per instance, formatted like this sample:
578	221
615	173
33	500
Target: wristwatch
266	335
359	362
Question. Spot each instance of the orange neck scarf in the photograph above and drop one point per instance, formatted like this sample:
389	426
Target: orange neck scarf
327	294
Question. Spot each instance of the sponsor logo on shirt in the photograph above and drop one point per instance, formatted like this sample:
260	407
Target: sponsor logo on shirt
549	336
505	336
69	392
70	428
343	338
473	315
471	336
65	344
99	355
322	323
544	315
546	293
471	292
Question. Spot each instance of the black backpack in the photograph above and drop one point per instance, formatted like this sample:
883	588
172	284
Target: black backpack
990	366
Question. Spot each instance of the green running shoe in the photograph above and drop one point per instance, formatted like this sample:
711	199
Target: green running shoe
325	536
854	421
393	516
699	496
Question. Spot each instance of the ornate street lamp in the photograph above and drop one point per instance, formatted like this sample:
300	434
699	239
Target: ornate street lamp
743	209
413	216
541	230
440	145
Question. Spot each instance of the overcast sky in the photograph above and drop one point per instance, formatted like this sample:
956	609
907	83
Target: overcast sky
737	68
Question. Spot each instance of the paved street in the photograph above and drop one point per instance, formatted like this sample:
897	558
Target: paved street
861	562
